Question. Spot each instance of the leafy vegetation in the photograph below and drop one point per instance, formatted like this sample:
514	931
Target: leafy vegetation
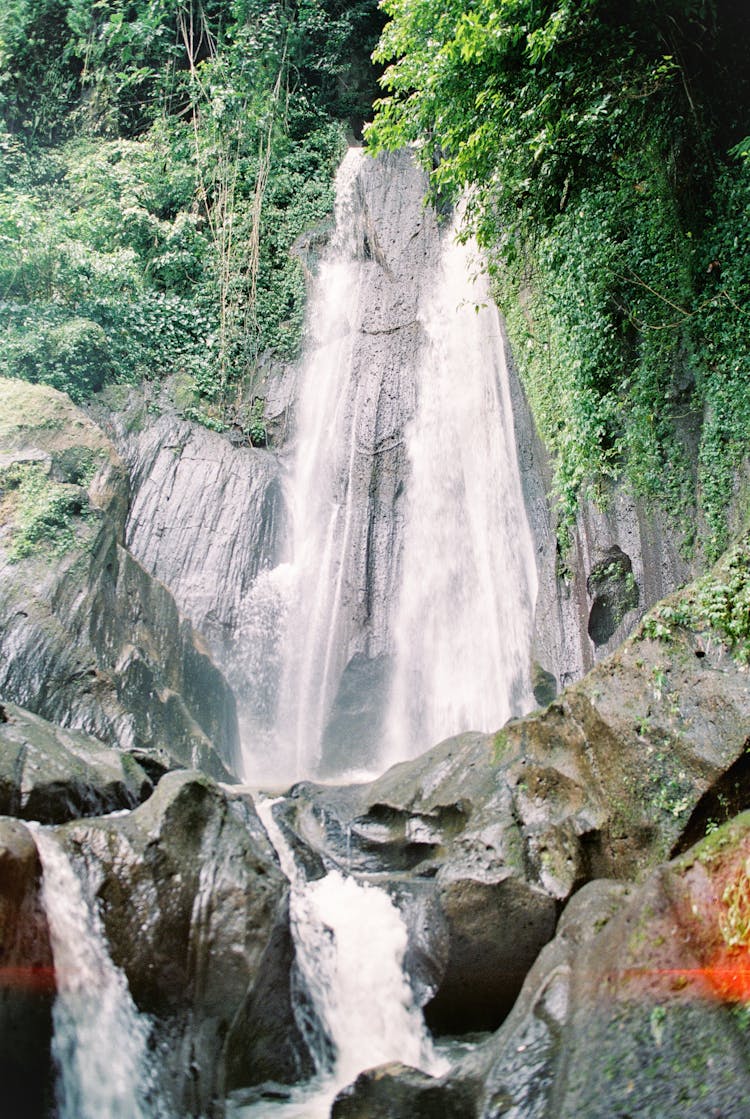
718	603
42	510
734	919
159	161
603	147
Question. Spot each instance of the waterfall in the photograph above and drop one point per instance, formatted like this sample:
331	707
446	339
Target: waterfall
321	494
100	1042
464	615
350	943
404	611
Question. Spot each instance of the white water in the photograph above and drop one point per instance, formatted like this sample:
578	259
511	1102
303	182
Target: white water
459	630
463	624
320	496
100	1042
350	943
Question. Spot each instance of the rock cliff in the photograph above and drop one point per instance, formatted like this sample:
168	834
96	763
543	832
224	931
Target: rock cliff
87	638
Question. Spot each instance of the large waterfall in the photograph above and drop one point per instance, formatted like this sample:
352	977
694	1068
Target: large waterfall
463	616
404	613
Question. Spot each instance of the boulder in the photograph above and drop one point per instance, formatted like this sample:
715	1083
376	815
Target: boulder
397	1092
27	983
195	912
87	638
638	1006
54	775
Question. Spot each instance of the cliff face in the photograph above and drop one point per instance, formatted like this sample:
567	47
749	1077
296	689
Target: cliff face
205	518
87	638
625	556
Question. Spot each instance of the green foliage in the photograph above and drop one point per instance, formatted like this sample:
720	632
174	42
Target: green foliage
734	918
150	196
593	139
257	426
43	511
718	603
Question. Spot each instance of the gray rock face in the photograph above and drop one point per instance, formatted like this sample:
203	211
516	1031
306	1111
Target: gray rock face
27	983
205	517
87	638
54	775
399	241
195	912
566	601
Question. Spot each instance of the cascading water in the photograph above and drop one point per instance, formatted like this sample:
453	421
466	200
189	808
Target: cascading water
100	1042
464	616
364	1012
321	493
404	613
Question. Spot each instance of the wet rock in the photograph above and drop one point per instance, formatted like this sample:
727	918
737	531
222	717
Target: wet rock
637	1006
500	830
353	733
54	775
87	638
612	586
195	912
205	518
494	932
26	978
543	684
396	1091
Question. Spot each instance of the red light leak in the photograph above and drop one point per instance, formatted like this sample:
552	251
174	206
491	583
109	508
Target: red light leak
38	980
724	982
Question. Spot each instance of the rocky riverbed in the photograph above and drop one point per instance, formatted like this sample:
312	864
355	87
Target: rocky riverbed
575	884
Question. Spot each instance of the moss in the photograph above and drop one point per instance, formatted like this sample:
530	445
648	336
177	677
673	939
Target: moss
41	511
500	744
717	604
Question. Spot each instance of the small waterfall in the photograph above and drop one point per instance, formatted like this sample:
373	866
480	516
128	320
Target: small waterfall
100	1043
350	943
464	618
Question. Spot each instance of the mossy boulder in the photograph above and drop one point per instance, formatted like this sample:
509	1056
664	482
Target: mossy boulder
638	1006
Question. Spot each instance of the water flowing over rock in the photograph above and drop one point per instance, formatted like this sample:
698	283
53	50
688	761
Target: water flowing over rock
87	638
195	913
353	1006
27	982
356	395
411	554
100	1042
